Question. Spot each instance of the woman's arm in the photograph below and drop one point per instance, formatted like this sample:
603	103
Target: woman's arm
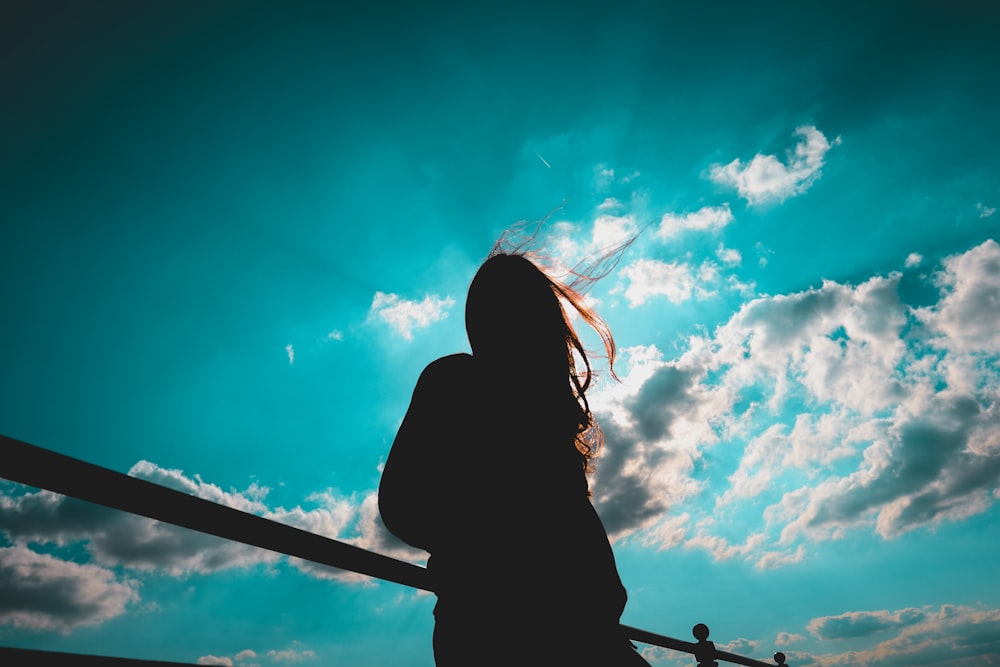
413	487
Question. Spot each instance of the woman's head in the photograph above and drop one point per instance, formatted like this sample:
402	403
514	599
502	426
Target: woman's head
516	322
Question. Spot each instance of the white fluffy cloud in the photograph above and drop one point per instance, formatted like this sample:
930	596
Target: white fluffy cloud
766	178
708	218
678	282
852	410
404	315
966	316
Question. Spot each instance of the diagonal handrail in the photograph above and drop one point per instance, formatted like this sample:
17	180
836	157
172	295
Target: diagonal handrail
44	469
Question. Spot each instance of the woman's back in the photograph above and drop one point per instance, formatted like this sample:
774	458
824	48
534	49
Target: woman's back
516	548
487	474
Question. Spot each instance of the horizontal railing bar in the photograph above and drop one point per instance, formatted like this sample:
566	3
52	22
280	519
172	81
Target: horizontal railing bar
646	637
41	468
26	656
44	469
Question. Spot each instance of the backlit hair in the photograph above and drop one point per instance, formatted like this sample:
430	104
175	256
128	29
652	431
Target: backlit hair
517	312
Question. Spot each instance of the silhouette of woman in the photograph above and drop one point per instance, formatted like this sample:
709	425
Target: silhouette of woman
487	473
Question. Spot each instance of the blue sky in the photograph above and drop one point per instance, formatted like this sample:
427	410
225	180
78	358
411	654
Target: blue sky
234	233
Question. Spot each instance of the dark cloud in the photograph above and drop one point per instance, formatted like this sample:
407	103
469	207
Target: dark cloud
863	623
118	538
664	397
623	498
41	592
930	473
947	636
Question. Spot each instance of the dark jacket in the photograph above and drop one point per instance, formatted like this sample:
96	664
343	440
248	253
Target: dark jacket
482	478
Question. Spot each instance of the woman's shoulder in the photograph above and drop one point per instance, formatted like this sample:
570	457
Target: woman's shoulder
451	364
450	369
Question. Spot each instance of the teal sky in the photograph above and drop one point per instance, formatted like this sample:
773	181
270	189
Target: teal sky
234	233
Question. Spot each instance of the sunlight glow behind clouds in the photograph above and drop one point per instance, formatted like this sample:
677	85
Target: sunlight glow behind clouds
651	277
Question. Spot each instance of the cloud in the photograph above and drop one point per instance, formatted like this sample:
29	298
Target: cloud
115	538
291	655
949	636
863	623
707	219
404	315
290	351
914	259
215	660
652	423
849	410
42	592
740	646
934	636
966	315
767	179
984	210
729	256
648	278
786	638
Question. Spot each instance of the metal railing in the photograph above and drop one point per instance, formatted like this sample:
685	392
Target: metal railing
41	468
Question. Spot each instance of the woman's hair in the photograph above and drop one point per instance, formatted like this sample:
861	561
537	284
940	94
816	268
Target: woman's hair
516	317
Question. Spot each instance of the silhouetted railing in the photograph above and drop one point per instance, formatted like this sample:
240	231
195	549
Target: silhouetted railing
44	469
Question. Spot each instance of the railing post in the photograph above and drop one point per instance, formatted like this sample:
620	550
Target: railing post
704	650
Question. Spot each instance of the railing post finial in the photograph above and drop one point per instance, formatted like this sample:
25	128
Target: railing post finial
704	652
779	658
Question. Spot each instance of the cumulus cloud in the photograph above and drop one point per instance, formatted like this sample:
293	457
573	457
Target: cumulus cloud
767	179
863	623
404	316
291	655
42	592
241	658
936	636
966	315
956	636
708	218
648	278
850	409
215	660
729	256
592	252
652	423
786	638
115	538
